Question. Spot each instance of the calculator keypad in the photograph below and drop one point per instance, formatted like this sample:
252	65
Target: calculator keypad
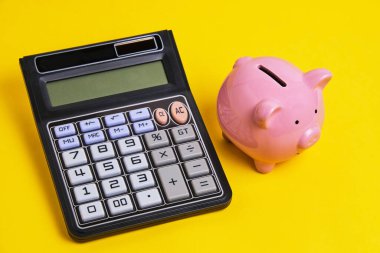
129	162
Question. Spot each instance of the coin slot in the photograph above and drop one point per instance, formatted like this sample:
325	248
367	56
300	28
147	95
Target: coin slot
272	75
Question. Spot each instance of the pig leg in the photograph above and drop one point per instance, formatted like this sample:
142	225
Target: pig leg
225	137
263	167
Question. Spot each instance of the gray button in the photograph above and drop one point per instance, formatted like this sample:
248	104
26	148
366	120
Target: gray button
120	204
149	198
183	134
173	183
204	185
86	193
102	151
80	175
190	150
74	157
196	168
163	156
156	139
129	145
91	211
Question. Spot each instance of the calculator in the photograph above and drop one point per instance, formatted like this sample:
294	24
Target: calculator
124	140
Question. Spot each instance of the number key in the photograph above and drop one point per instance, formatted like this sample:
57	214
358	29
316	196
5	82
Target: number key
80	175
86	193
74	157
130	145
108	168
114	186
135	162
91	211
120	204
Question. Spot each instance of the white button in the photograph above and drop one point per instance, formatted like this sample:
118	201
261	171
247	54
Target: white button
143	126
80	175
141	180
135	162
139	114
108	168
119	205
130	145
89	125
148	198
102	151
114	119
74	157
94	137
86	193
68	142
64	130
119	132
91	211
114	186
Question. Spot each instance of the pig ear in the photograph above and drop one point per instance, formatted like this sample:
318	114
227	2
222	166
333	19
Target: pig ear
241	61
264	112
317	78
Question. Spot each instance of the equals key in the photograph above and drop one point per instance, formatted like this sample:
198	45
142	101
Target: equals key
204	185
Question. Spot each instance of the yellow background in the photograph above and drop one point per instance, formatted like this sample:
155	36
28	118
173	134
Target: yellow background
325	200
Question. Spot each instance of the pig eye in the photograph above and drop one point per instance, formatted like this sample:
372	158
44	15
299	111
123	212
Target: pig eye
315	111
297	122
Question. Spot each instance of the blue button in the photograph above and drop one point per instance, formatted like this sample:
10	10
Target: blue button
68	143
64	130
93	137
139	114
143	126
119	132
114	119
89	125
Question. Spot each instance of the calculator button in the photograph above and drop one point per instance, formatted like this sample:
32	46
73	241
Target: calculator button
89	125
179	112
163	156
143	126
183	134
114	186
119	132
139	114
204	185
80	175
156	139
173	183
86	193
119	205
129	145
196	168
108	168
142	180
135	162
114	119
148	198
94	137
64	130
91	211
190	150
74	157
102	151
161	116
68	142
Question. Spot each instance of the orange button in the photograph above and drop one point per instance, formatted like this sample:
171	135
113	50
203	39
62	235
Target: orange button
179	112
161	116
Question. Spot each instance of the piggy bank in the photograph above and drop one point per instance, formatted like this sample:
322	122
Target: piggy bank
271	110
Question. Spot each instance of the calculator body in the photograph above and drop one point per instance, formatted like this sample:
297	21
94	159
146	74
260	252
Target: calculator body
123	137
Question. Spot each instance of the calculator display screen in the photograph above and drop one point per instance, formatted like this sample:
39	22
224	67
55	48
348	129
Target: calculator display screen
106	83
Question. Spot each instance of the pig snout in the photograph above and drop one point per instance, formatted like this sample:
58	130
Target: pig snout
309	138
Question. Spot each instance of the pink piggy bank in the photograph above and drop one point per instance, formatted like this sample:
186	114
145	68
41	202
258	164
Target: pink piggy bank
271	110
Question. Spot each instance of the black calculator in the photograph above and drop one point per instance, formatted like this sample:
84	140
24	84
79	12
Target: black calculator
123	137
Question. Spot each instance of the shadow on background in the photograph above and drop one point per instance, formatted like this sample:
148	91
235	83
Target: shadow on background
14	96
